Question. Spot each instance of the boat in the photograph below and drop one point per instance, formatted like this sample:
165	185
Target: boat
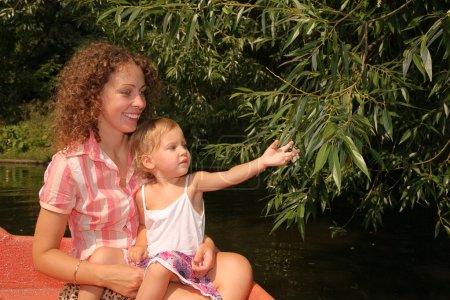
20	281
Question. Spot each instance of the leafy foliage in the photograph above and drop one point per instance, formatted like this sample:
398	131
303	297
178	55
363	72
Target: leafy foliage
360	86
27	140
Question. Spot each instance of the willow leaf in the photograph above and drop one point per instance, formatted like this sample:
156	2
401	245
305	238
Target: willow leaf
336	171
192	28
387	123
135	12
426	60
355	155
321	158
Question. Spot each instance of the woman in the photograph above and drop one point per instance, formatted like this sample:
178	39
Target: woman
90	184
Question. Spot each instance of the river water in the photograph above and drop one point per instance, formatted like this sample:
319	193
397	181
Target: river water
401	261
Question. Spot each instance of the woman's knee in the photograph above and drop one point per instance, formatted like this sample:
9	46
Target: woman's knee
234	262
233	268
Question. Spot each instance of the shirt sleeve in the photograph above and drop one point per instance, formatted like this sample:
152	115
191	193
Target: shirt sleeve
58	194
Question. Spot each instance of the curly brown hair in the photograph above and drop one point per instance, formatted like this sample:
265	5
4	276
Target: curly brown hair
80	83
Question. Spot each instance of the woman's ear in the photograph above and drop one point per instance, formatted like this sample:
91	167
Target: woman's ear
147	162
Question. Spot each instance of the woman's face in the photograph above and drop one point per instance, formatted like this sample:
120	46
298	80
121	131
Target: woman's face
122	100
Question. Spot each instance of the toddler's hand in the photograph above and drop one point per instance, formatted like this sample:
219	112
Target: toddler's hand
137	254
277	157
203	260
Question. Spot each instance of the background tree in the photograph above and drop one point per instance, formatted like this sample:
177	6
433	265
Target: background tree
37	38
361	86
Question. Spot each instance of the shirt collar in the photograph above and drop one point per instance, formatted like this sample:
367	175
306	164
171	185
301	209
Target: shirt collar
90	147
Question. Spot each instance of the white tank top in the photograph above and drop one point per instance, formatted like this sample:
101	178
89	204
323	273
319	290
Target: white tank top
177	227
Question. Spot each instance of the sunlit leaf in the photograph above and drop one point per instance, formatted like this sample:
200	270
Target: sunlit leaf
321	158
192	28
407	58
292	36
135	12
106	13
118	16
405	136
426	59
336	170
356	156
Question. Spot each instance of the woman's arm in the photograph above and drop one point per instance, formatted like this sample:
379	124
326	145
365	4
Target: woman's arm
273	156
138	252
50	260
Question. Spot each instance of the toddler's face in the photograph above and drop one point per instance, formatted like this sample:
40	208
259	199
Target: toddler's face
172	157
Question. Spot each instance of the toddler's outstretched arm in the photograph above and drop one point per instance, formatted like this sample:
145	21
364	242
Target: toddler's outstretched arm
272	157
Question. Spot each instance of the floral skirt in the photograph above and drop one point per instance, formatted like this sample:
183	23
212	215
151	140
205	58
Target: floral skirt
181	265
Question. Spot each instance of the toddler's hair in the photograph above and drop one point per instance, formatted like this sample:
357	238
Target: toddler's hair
80	83
146	139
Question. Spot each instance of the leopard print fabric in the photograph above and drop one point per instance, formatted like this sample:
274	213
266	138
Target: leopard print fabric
70	292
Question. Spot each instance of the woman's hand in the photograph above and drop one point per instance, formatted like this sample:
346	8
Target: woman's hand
205	257
121	278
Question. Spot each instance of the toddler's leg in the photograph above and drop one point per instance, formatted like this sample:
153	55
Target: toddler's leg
232	276
155	283
101	255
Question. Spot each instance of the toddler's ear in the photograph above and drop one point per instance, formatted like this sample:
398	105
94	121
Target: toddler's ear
147	162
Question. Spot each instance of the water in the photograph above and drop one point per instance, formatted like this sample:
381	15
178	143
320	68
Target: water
401	261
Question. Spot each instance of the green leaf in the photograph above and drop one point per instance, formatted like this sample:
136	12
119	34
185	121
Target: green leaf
292	36
336	171
344	5
405	94
279	220
106	13
405	136
314	60
375	117
192	28
355	155
208	31
175	27
238	17
437	227
329	130
166	21
134	14
377	157
407	58
418	64
426	60
321	158
301	210
118	16
387	123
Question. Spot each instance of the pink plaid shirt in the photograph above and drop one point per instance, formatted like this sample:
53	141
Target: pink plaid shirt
85	185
